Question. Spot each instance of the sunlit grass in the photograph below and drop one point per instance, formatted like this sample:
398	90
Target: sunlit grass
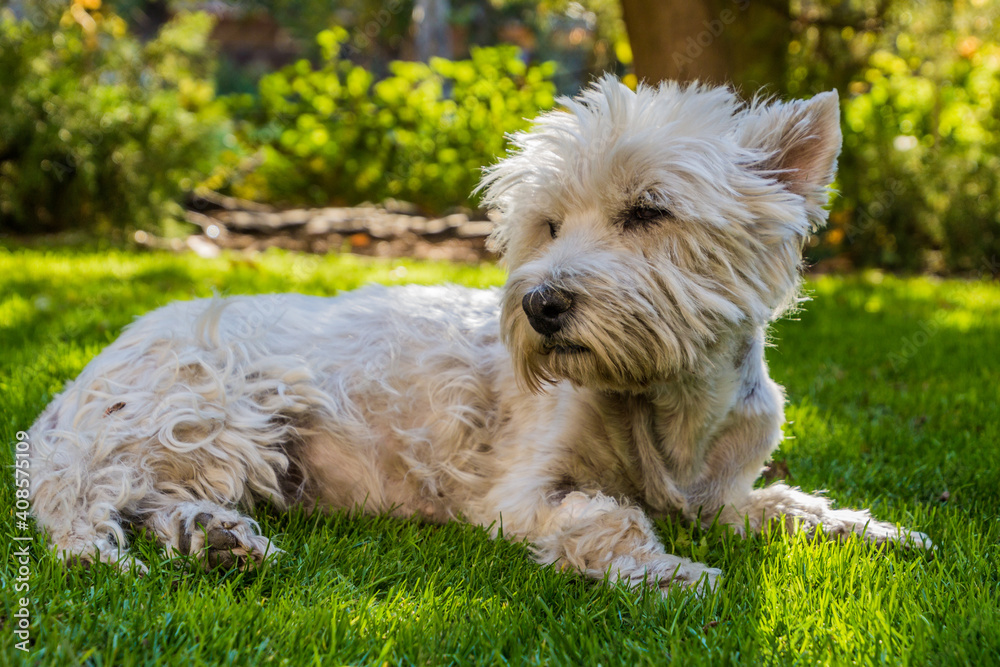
882	416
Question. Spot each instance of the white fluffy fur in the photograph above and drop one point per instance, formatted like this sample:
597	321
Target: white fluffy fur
445	402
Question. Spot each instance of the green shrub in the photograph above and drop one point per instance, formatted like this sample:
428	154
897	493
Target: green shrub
927	142
335	134
919	175
98	131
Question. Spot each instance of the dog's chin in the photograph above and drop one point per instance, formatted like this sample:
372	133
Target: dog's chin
564	350
555	361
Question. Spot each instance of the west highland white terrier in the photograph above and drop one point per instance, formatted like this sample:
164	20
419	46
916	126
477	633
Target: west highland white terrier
651	237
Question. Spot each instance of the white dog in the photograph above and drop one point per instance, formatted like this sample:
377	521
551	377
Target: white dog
651	237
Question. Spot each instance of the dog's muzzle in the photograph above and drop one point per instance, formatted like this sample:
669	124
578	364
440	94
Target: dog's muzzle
547	308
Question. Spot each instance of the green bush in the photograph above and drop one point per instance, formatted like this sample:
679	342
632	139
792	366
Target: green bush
335	134
919	175
925	147
97	131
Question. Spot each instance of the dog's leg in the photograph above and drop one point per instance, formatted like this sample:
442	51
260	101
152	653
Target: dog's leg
79	496
598	536
212	534
738	455
727	491
797	510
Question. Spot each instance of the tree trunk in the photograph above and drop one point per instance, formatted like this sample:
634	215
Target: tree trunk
433	34
681	39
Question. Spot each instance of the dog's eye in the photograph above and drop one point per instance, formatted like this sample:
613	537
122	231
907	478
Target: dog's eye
553	228
644	215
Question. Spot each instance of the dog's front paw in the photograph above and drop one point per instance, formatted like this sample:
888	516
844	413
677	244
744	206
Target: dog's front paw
697	577
125	563
842	523
671	572
881	532
225	539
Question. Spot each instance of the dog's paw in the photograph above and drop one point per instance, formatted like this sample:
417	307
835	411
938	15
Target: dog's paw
842	523
696	577
83	554
225	539
914	539
126	564
132	565
671	573
881	532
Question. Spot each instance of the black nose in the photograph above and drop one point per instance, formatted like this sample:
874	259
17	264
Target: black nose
546	308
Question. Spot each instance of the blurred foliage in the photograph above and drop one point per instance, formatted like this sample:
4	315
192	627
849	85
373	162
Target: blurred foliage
334	133
586	38
919	173
98	131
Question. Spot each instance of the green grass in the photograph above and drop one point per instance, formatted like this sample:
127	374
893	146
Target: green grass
881	415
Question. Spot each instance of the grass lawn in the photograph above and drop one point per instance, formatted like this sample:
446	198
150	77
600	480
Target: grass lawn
893	405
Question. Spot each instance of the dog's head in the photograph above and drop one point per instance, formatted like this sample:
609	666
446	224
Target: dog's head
639	227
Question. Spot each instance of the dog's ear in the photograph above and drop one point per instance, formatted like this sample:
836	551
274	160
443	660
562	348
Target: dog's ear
800	142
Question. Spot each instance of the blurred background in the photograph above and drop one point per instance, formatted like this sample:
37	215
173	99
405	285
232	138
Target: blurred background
146	121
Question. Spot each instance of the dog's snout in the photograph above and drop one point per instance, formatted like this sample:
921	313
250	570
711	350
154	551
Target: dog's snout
546	308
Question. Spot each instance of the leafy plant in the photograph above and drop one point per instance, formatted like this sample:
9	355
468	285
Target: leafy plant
335	134
919	176
98	131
